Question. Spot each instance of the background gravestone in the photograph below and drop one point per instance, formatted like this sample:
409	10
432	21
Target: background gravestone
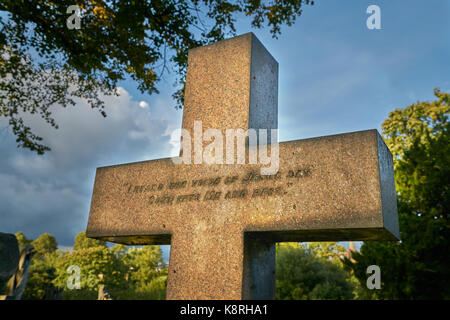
9	256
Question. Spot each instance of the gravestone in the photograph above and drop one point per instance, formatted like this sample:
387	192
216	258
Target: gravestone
9	255
15	286
223	220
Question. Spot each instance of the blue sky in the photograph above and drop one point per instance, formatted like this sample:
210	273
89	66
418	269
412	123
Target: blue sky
335	76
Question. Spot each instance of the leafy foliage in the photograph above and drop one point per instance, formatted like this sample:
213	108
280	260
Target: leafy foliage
40	279
42	269
27	88
418	266
83	242
45	244
303	274
147	274
22	240
44	63
92	262
146	265
327	250
135	273
419	137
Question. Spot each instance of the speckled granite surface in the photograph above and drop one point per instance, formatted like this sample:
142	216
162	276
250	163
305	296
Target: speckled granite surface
222	220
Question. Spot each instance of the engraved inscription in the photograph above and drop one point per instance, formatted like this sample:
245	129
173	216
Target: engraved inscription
267	192
253	176
236	194
247	185
188	197
299	173
164	199
212	195
177	184
206	182
143	188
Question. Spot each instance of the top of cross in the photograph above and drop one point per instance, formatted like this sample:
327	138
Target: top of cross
232	84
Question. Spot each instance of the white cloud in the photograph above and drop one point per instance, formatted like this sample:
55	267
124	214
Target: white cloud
143	104
51	193
30	164
175	137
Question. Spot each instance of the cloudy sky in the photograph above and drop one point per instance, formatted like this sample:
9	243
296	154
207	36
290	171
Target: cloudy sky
335	76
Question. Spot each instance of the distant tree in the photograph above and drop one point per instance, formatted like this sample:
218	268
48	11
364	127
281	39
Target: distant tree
83	242
40	277
148	271
328	250
303	275
42	268
91	261
116	40
119	250
417	267
45	244
22	240
137	273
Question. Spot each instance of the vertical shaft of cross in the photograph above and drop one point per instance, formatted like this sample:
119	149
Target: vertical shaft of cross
259	268
200	264
202	268
232	84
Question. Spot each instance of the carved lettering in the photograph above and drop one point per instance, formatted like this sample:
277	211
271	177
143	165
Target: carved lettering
236	194
212	195
253	176
164	199
299	173
230	180
177	184
188	197
249	177
143	188
206	182
267	192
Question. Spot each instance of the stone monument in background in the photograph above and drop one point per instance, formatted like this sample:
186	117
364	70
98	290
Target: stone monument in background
14	266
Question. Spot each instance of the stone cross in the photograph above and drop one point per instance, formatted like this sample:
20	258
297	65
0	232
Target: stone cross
223	220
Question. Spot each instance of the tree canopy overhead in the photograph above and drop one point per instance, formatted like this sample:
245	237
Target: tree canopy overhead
116	40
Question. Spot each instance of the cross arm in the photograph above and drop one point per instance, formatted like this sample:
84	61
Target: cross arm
338	187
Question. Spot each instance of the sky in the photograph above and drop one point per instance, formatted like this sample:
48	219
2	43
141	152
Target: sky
335	76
